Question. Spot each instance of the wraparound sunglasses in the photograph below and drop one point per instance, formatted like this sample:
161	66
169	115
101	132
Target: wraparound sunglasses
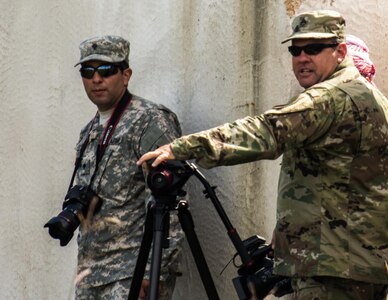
104	71
311	49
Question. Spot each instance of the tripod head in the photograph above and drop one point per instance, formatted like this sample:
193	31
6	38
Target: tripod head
168	178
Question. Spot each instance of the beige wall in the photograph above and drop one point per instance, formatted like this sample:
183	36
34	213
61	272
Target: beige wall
210	61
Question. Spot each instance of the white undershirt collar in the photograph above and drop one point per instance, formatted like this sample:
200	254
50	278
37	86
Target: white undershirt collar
105	115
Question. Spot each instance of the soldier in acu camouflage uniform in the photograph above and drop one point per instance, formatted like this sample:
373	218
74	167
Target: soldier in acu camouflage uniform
108	242
331	234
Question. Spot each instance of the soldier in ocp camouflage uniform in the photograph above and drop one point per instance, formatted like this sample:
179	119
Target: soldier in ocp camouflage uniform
109	241
331	234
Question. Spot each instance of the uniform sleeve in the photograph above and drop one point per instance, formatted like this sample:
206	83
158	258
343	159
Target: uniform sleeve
161	128
265	136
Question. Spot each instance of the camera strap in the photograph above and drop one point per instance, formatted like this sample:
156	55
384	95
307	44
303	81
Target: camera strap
112	123
106	137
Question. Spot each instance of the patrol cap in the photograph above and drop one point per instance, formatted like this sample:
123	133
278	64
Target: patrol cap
108	48
320	24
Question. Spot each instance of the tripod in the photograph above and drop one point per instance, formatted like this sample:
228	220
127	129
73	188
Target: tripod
155	228
165	183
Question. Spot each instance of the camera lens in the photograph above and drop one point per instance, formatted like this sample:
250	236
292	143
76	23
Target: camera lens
76	204
63	226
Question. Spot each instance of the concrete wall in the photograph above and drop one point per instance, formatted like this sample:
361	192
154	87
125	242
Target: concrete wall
210	61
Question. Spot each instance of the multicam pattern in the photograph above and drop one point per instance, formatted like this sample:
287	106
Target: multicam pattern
319	25
323	288
333	187
107	48
109	242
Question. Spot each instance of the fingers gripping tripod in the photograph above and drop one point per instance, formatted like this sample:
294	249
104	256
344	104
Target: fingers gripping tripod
166	182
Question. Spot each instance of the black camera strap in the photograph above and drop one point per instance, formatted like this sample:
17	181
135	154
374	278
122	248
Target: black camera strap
106	137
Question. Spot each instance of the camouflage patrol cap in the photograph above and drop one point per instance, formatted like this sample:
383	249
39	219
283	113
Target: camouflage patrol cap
107	48
318	24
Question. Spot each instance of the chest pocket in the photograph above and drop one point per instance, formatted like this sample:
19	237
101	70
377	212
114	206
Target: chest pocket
288	163
87	164
116	171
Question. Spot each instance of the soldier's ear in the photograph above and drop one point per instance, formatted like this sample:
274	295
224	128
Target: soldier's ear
341	51
127	73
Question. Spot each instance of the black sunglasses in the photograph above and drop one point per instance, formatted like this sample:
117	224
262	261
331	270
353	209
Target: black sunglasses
311	49
104	71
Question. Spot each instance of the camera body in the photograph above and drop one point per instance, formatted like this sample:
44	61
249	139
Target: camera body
259	279
75	205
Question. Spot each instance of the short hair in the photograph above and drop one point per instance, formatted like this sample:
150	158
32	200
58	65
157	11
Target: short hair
123	65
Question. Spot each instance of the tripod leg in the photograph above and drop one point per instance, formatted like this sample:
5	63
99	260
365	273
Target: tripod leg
187	225
142	259
161	220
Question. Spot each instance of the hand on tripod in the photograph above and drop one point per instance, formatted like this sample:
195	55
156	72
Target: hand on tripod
161	154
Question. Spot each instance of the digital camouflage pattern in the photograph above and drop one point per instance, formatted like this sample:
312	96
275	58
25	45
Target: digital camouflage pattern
119	290
333	188
320	24
108	244
107	48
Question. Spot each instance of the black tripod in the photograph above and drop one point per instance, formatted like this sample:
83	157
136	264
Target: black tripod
165	183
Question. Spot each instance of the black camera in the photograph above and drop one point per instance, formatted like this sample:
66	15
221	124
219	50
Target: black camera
258	279
76	203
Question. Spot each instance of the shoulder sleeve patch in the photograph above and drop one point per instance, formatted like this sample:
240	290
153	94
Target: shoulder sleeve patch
302	103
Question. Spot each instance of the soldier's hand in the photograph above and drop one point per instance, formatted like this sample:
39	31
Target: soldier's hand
161	154
144	289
